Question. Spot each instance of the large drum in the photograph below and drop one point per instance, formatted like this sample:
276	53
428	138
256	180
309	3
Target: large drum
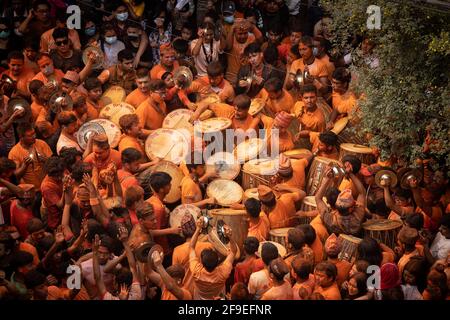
114	94
226	192
179	212
224	164
112	130
281	249
173	171
249	149
325	108
258	171
115	111
279	235
297	153
221	245
317	173
363	153
167	144
236	219
212	127
308	204
383	230
349	247
256	106
346	132
251	193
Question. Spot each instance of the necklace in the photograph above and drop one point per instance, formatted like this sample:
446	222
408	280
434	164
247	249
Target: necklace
209	56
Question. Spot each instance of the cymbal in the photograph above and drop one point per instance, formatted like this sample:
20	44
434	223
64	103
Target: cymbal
60	101
85	132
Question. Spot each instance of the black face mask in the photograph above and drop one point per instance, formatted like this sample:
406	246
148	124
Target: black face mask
133	37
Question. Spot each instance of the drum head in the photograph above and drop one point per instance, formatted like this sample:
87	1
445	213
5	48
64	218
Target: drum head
279	232
112	130
356	148
98	64
340	125
256	106
264	167
214	125
310	201
114	94
382	225
167	144
226	192
228	212
249	149
281	249
114	111
298	153
179	119
350	238
219	246
176	174
251	193
224	164
86	130
178	213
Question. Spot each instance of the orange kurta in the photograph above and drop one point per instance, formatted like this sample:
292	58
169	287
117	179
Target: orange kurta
260	230
310	120
136	97
284	210
158	70
131	142
226	92
150	117
22	80
190	191
315	141
284	103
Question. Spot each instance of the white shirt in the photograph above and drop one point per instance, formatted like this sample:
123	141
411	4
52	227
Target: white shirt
259	283
63	141
111	52
440	247
200	60
293	6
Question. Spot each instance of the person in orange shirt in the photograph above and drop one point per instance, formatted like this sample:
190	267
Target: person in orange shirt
142	92
295	240
400	204
94	90
281	289
132	130
237	40
131	165
316	69
313	241
102	154
301	272
214	82
281	123
258	225
325	274
210	276
238	113
277	99
309	115
281	209
251	263
19	73
333	246
292	172
48	72
153	110
343	100
30	155
80	108
168	62
133	198
36	105
320	49
324	144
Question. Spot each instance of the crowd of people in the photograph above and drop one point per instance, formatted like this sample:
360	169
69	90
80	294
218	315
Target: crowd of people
102	206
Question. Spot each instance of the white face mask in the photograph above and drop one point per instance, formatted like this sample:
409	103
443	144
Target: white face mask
48	70
111	40
122	16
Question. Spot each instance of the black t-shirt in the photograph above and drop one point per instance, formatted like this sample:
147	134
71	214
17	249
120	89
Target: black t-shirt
65	64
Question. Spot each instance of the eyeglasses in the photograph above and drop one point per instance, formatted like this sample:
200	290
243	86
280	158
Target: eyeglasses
63	42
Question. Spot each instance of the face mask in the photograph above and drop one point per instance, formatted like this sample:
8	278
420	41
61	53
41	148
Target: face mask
48	70
90	31
229	19
4	34
122	16
111	40
315	51
133	36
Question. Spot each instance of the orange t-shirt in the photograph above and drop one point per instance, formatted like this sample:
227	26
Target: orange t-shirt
321	231
114	156
234	58
284	209
308	285
344	104
298	173
329	293
343	268
150	117
315	141
225	89
126	179
162	220
261	229
23	246
316	69
36	110
23	80
131	142
190	191
136	97
284	103
57	75
328	64
34	174
158	70
310	120
317	248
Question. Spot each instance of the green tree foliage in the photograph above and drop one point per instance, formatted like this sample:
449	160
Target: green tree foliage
408	95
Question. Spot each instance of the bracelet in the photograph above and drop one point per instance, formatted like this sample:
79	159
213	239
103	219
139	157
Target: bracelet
94	201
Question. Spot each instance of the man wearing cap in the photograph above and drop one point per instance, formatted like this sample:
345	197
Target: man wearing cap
309	115
102	154
236	42
181	253
349	214
121	74
406	239
168	62
280	209
281	123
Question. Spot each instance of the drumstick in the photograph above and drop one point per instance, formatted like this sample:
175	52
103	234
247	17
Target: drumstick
173	145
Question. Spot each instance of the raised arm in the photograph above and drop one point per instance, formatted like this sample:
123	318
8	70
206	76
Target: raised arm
97	208
167	280
361	200
321	205
123	237
390	203
297	194
96	267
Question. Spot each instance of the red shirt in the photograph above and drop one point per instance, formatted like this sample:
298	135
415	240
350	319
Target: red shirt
52	191
243	270
20	218
162	220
